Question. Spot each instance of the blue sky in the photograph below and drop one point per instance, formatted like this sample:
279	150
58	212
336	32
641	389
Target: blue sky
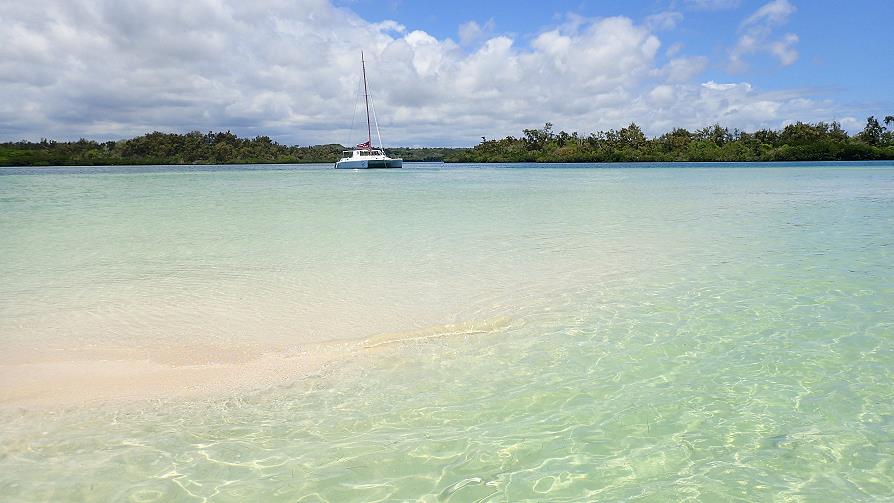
442	73
845	48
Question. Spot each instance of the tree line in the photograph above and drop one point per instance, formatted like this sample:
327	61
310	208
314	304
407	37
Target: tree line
190	148
796	142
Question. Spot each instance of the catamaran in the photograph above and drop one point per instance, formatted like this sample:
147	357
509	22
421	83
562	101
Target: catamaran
364	155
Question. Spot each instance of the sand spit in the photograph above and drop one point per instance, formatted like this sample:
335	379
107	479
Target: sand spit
196	372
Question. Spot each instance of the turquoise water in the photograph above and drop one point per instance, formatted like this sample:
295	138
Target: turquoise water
709	333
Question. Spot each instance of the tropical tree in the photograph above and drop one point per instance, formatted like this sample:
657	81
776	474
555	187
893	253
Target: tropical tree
872	133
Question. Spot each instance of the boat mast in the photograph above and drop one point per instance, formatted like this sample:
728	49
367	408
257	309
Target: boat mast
366	96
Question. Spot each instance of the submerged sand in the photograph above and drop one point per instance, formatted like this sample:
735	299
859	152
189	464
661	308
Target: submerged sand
72	382
85	377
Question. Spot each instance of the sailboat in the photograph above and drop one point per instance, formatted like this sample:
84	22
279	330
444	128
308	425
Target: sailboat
364	155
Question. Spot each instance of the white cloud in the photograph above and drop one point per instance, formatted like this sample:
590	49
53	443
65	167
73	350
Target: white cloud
852	124
684	69
469	32
757	36
783	49
472	32
714	86
290	69
673	50
773	13
667	20
662	95
712	4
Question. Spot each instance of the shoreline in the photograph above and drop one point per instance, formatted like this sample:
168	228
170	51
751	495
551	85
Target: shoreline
830	162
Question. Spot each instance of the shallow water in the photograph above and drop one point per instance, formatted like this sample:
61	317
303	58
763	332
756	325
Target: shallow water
715	333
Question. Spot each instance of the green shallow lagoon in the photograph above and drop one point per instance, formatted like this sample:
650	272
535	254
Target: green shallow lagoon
621	332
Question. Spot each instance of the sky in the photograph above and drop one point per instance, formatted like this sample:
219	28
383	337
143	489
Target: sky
441	73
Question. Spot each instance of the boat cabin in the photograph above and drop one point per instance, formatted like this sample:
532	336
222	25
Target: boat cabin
362	153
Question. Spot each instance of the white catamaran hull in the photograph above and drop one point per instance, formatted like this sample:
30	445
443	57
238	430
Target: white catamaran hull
368	163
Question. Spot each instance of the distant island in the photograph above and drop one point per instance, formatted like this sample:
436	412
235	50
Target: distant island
796	142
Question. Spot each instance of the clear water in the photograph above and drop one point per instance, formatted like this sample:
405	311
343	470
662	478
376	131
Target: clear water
712	333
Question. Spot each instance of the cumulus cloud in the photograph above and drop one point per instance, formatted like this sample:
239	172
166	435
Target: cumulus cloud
736	104
290	69
684	69
472	32
758	32
852	123
662	95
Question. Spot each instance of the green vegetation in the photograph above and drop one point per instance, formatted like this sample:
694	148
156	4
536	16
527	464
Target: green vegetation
427	154
796	142
189	148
